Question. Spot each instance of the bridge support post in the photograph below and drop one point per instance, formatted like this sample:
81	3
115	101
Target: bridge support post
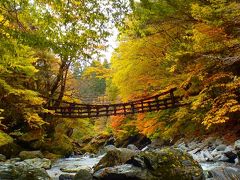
157	103
133	108
172	97
115	110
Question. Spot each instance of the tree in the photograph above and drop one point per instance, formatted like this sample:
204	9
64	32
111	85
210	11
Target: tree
192	45
73	30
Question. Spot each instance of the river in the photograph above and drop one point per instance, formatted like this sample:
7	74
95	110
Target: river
213	171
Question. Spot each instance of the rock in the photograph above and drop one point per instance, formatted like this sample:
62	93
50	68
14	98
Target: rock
145	148
223	158
215	152
192	145
207	142
2	157
222	173
83	174
91	155
218	142
115	157
231	156
74	168
237	145
164	164
51	156
221	147
123	172
228	149
194	151
132	147
178	142
22	171
61	145
7	146
238	155
183	147
37	162
157	143
138	140
32	135
66	177
207	155
13	160
96	143
5	139
110	141
199	157
30	154
109	148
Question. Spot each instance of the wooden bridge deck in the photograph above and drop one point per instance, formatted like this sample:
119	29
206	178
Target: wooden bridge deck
164	100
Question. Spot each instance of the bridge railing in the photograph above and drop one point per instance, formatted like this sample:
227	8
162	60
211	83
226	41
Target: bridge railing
164	100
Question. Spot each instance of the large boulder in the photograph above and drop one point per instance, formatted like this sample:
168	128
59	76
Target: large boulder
66	177
7	145
83	174
132	147
33	139
237	145
165	164
74	169
51	156
138	140
60	144
40	163
30	154
2	157
96	143
123	172
115	157
224	173
22	171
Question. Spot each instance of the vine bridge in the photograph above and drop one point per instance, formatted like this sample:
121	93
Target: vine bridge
165	100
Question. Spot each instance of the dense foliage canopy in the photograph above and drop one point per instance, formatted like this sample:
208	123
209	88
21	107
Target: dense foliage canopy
192	45
51	50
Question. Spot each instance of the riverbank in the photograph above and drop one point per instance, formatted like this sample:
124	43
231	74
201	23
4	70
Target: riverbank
217	159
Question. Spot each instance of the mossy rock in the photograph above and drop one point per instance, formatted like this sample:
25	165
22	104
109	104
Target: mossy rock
96	143
115	157
168	164
164	164
30	154
60	145
83	174
7	146
5	139
22	171
33	135
53	157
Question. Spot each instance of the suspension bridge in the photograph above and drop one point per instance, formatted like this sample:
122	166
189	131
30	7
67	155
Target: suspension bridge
165	100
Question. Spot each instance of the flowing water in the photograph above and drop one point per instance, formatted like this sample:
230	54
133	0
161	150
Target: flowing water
221	171
72	165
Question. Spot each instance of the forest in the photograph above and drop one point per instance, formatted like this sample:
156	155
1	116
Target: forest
57	51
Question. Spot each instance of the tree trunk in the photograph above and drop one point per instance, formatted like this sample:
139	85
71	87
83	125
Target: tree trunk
63	85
